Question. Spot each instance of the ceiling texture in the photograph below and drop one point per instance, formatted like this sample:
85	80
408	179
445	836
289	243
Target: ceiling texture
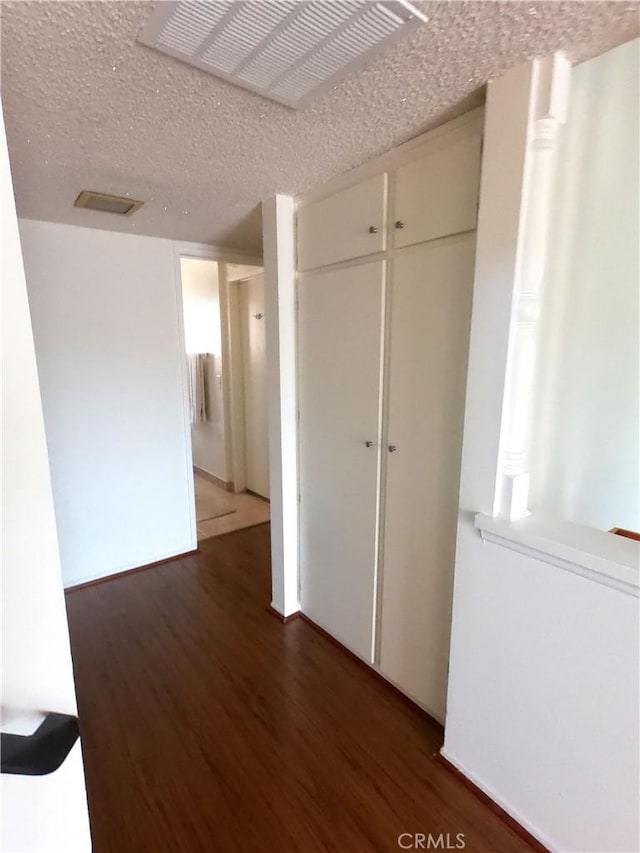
87	107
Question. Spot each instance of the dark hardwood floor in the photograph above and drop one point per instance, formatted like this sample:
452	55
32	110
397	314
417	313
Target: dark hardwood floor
208	725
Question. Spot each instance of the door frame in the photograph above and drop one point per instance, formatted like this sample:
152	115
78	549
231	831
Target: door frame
232	371
203	251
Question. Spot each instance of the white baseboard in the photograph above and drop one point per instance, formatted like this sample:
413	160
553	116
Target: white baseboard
504	804
227	485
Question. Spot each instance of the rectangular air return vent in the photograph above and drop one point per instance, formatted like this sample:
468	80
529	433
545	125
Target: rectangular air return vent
286	50
107	203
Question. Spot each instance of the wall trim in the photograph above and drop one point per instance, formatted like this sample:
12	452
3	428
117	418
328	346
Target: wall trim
210	252
375	673
227	485
596	555
186	406
488	801
628	534
275	607
284	619
116	575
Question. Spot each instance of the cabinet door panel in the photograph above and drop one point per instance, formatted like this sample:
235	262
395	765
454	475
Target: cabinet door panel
339	344
430	319
337	228
438	194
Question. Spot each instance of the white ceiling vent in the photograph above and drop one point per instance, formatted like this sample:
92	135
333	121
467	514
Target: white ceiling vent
286	50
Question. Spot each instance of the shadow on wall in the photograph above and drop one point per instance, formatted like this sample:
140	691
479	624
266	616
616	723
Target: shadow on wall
246	234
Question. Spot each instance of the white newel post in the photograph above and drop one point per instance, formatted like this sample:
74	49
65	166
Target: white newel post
548	104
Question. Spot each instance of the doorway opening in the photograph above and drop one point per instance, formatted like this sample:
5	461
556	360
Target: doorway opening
224	335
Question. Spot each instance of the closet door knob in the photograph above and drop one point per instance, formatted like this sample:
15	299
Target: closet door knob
373	229
368	444
392	448
399	224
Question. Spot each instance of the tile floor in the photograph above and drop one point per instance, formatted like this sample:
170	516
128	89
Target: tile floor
249	510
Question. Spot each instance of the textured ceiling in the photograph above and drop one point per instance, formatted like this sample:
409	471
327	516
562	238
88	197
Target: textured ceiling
86	107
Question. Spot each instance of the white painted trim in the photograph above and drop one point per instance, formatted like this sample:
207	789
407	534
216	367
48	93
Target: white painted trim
234	379
237	406
226	346
390	160
506	118
599	556
504	804
186	406
163	557
247	277
278	218
216	253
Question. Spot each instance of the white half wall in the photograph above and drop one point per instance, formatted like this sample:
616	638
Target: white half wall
106	310
586	464
543	701
202	332
49	812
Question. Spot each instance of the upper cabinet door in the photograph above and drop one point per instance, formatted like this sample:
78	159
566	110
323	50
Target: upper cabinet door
349	224
437	195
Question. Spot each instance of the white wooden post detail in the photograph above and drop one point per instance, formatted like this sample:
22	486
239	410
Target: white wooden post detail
549	98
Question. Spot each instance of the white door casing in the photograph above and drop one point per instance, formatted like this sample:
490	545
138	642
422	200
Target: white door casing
252	308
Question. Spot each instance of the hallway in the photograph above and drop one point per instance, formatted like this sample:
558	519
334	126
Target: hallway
219	511
208	725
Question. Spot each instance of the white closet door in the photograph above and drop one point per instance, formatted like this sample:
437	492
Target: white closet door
254	367
430	319
340	334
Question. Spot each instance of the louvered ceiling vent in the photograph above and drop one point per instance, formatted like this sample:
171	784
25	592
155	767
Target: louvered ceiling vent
285	50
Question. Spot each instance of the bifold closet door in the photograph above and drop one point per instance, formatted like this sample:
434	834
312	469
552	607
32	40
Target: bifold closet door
429	339
340	327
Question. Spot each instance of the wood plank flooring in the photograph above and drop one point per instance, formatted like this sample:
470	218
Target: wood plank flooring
208	725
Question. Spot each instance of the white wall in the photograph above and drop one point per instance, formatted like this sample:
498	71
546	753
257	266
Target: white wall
106	312
543	695
202	330
543	698
278	227
585	464
38	813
